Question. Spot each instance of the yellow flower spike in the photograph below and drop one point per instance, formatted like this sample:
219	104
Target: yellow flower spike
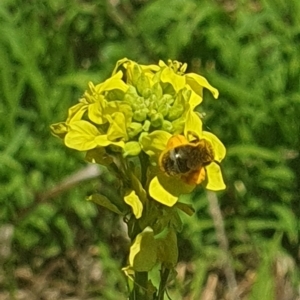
134	201
151	109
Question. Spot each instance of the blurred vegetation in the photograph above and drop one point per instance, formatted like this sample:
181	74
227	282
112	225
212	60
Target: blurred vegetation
54	246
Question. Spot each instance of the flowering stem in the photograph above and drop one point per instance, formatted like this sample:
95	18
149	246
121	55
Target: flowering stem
140	123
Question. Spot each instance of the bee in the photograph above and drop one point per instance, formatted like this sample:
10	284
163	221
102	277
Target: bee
186	158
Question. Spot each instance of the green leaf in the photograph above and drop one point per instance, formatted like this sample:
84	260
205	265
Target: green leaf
168	249
105	202
264	286
143	252
288	221
186	208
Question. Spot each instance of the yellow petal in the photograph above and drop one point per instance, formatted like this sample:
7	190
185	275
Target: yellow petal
214	177
119	106
155	142
117	128
195	99
158	193
81	136
132	148
134	201
175	141
76	112
103	141
59	129
150	68
169	76
96	111
193	124
162	64
218	147
113	83
197	83
167	190
118	64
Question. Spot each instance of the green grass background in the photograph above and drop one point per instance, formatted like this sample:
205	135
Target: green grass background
249	50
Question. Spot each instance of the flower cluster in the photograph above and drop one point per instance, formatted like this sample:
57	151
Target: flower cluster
141	109
141	124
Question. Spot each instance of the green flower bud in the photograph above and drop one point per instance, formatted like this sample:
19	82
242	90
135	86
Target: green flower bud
178	125
175	112
115	95
136	73
140	115
147	93
153	106
157	120
134	129
157	90
132	149
167	126
167	99
164	109
143	84
146	125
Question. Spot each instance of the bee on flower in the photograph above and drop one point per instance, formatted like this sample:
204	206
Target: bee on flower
149	109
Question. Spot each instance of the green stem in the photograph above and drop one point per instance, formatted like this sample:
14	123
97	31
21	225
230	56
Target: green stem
144	161
164	275
139	291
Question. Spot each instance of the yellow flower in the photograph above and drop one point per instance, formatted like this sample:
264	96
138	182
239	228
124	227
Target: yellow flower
173	73
84	136
183	161
135	100
148	108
